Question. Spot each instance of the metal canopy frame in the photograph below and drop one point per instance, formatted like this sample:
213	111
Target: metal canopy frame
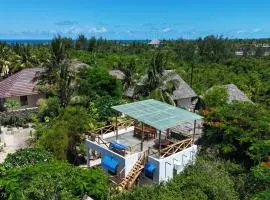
157	114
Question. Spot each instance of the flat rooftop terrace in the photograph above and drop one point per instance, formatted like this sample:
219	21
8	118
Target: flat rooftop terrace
134	143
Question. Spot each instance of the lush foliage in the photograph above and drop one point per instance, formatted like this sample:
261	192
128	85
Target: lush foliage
17	118
216	96
205	180
26	157
79	99
54	181
64	134
97	82
234	128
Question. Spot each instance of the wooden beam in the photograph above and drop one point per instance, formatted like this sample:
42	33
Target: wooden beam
142	139
88	157
194	131
159	148
116	128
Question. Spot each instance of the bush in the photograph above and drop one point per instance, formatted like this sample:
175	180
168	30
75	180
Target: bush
25	157
207	179
17	118
57	180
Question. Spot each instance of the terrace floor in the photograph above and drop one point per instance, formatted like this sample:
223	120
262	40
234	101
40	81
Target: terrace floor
133	142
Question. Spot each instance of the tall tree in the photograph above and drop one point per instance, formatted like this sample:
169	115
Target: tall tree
24	57
81	43
57	76
157	83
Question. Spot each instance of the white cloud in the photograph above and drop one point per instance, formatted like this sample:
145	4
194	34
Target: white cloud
256	30
97	30
166	30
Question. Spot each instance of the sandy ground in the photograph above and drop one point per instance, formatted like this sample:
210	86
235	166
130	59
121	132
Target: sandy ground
14	139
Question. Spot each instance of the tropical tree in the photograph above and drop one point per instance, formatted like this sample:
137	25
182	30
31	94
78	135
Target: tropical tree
158	83
57	76
24	58
129	71
5	59
81	43
55	180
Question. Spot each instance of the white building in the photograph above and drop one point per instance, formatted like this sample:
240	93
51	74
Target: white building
149	151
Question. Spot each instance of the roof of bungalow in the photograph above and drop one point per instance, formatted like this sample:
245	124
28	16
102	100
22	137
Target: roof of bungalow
234	93
19	84
154	42
117	73
181	92
157	114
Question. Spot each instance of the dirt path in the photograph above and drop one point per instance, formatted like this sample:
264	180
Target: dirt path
14	139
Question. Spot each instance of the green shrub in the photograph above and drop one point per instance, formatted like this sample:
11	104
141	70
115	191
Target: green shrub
17	118
57	180
28	156
207	179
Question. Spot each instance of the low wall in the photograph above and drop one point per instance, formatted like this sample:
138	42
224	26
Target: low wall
165	166
125	163
120	132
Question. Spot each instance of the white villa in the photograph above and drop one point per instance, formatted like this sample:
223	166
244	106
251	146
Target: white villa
146	150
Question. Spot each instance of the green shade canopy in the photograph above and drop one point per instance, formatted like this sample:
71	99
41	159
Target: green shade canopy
157	114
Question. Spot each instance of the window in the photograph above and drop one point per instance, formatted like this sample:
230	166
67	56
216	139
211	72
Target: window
23	100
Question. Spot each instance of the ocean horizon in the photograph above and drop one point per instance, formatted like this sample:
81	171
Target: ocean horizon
48	41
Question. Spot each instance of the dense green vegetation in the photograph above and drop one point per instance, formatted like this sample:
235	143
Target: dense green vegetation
34	174
234	158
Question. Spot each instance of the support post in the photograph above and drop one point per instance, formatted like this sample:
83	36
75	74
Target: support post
116	128
142	139
194	131
159	148
88	157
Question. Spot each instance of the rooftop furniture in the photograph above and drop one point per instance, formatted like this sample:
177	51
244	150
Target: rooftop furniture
110	164
145	131
164	143
118	148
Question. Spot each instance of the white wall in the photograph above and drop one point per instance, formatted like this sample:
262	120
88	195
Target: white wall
32	99
165	166
125	163
186	103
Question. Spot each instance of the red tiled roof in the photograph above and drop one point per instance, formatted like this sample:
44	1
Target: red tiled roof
19	84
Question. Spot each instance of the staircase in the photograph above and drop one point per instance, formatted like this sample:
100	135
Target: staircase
132	176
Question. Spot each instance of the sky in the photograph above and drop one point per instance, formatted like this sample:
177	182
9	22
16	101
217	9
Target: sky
129	19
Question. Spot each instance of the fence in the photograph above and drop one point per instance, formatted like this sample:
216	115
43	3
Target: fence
112	127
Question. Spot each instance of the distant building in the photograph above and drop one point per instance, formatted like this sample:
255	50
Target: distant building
154	42
21	87
117	73
183	95
239	53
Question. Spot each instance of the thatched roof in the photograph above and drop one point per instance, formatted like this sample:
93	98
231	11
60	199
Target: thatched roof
154	42
19	84
183	91
234	93
117	73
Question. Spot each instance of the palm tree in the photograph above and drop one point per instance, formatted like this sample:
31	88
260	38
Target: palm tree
24	57
57	75
158	83
5	59
129	72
